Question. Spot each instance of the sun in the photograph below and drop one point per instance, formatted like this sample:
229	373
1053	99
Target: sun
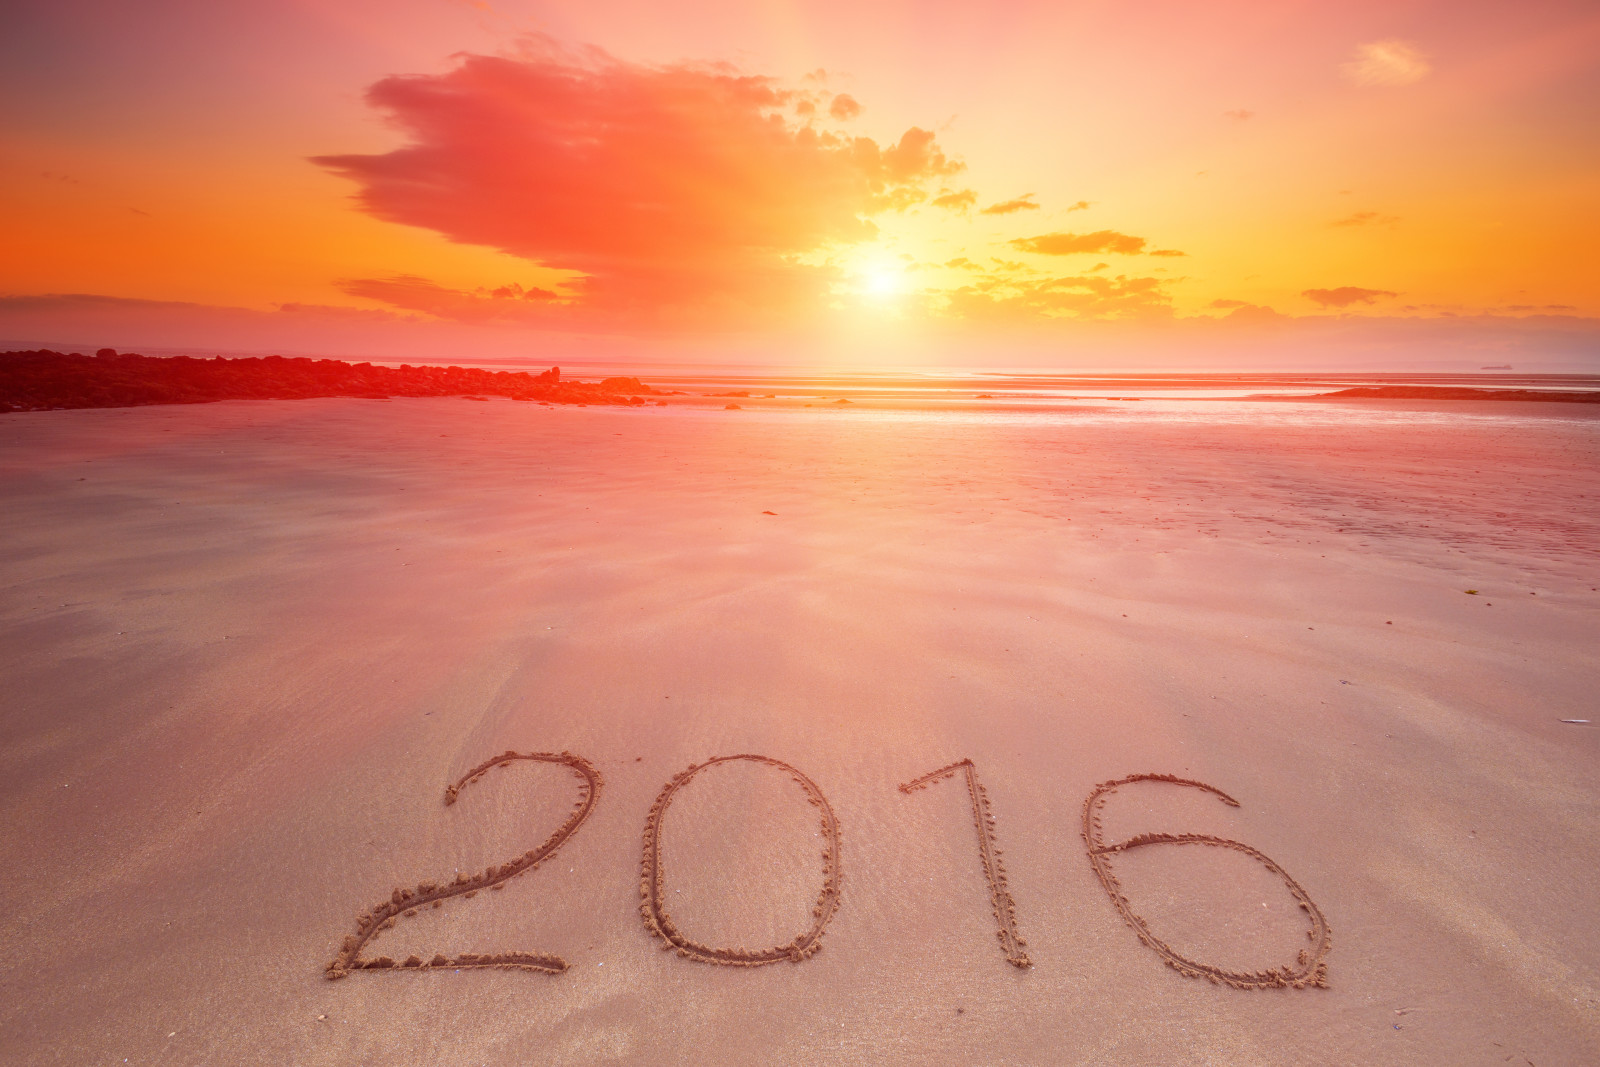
881	281
885	282
875	280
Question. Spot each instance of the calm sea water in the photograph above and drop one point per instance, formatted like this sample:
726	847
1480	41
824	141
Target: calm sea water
953	388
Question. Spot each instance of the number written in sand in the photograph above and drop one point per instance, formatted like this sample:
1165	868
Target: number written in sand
994	870
406	902
652	883
1310	968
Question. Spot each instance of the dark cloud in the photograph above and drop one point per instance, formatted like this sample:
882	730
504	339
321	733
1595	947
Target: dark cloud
1345	295
1167	252
1066	244
844	107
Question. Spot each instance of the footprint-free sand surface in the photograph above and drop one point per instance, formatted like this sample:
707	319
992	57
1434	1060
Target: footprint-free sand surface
246	647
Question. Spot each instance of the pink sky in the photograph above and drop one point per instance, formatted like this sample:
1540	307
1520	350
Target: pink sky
1068	185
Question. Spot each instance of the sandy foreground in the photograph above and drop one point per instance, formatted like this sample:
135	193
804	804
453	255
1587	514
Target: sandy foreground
244	647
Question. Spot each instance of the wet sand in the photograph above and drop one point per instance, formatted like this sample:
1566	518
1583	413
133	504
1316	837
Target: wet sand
247	646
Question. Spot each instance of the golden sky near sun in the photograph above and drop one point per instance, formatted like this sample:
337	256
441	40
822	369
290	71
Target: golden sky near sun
793	171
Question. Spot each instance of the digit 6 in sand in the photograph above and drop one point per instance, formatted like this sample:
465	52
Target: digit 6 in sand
1311	968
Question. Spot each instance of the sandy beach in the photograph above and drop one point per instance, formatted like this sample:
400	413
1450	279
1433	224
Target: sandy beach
246	646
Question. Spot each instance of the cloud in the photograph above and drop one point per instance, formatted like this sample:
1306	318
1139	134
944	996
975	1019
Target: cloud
508	303
1365	218
1011	207
675	189
844	107
1068	297
74	307
1081	205
956	201
1387	62
1245	313
1066	244
1128	324
1167	252
125	322
1240	115
1344	296
915	159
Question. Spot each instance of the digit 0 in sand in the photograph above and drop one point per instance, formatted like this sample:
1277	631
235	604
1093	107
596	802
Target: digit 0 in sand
652	878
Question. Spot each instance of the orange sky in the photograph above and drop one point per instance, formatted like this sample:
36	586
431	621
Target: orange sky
1065	184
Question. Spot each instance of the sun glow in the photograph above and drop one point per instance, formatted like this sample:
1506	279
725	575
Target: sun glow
879	280
885	282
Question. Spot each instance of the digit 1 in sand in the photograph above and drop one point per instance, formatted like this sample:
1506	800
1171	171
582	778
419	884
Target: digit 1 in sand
994	871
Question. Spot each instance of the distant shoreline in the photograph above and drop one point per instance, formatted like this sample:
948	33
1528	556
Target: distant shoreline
1428	392
45	380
